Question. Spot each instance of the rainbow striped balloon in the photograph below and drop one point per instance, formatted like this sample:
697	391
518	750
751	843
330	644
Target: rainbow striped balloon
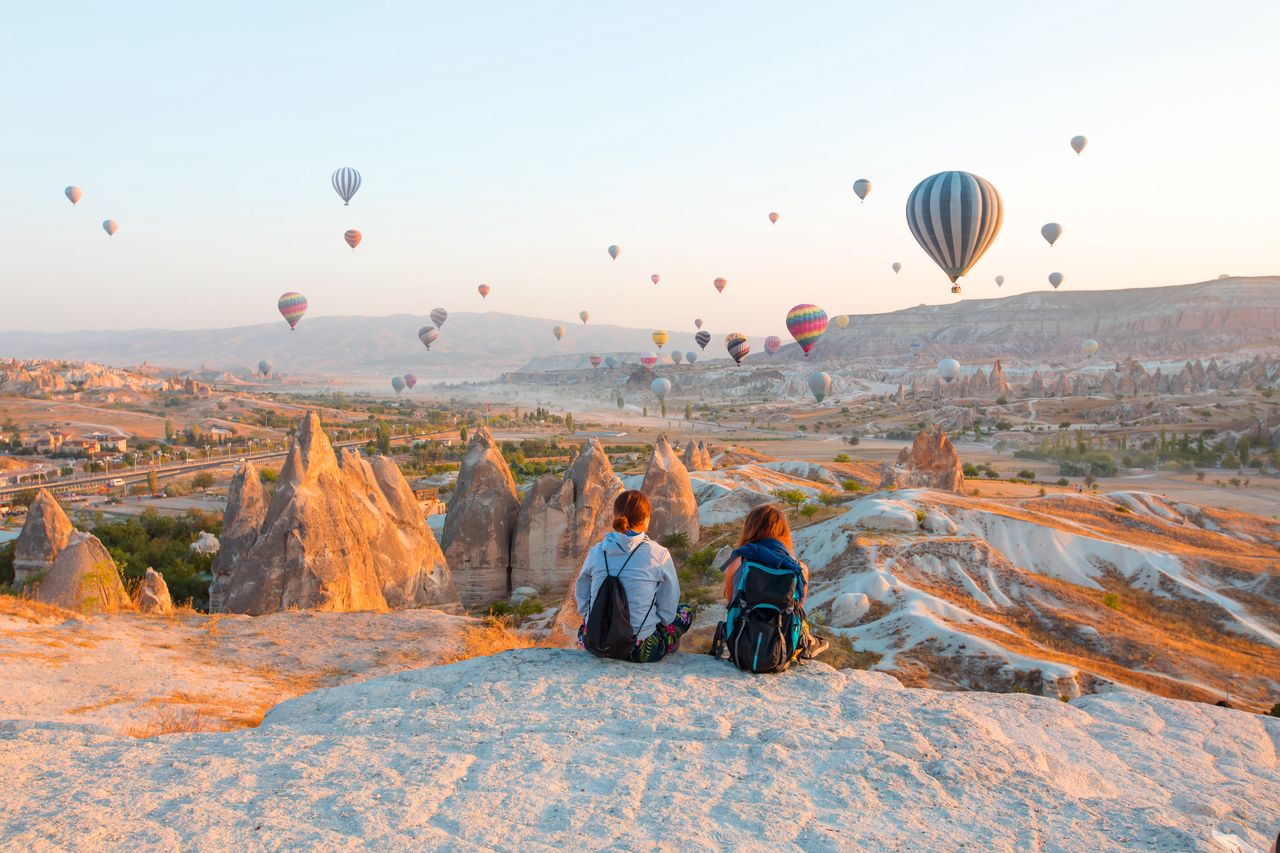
292	306
806	323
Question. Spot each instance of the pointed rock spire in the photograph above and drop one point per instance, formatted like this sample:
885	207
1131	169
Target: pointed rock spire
46	532
480	523
241	520
667	485
84	578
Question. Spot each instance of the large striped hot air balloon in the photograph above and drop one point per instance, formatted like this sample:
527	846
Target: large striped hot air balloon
649	359
483	290
737	345
397	383
74	195
438	316
955	217
660	337
410	380
345	183
292	306
353	238
702	339
677	356
806	323
772	344
428	335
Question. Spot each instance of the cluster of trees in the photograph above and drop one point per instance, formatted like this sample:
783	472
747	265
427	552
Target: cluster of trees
163	543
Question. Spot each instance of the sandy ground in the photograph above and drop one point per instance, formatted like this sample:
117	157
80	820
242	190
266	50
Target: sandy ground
553	750
126	672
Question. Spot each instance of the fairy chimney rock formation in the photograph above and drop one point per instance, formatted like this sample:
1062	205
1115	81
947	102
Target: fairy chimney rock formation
705	452
480	522
153	594
692	457
559	520
84	578
666	484
46	532
930	463
335	536
245	512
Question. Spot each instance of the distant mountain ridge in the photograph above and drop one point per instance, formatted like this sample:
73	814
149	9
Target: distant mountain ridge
1179	321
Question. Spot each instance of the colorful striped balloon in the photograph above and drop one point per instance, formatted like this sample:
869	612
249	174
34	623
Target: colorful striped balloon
660	337
595	360
772	344
438	316
736	344
806	323
428	335
353	238
410	380
292	306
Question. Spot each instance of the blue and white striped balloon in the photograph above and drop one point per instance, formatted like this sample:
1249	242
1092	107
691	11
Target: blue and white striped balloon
955	217
345	183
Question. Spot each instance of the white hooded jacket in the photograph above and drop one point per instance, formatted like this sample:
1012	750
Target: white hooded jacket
649	578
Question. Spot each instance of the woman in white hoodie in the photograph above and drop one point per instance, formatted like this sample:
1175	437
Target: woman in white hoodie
648	576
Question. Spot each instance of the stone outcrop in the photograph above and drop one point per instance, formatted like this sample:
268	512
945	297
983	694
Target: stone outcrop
153	594
930	463
46	532
337	536
480	523
84	578
666	484
697	457
559	520
206	543
245	512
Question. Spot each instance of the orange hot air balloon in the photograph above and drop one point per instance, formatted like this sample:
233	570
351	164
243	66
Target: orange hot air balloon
353	238
721	284
773	217
483	290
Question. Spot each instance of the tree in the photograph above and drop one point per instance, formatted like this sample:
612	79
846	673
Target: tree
1242	450
153	481
203	480
621	403
382	439
688	411
793	498
462	434
169	430
568	421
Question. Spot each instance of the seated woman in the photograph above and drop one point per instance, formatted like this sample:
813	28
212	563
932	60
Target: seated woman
766	540
648	575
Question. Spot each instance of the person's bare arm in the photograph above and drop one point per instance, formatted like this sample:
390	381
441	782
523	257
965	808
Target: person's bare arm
730	578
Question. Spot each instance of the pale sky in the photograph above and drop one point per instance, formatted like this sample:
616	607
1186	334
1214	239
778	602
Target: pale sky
511	143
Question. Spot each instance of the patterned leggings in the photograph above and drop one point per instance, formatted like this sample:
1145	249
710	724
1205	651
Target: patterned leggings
664	639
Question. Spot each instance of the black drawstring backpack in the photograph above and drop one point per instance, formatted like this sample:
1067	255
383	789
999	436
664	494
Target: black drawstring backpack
609	633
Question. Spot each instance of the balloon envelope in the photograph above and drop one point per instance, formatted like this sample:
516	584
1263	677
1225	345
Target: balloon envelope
948	369
955	217
264	367
292	306
649	359
595	360
772	344
773	217
842	321
702	339
483	290
721	284
655	278
1089	346
614	251
820	385
806	323
861	188
1078	143
558	331
660	337
736	344
353	238
73	194
345	183
999	280
584	316
1056	278
410	380
697	324
438	316
660	387
677	356
110	226
397	383
1051	232
610	362
916	346
897	267
428	335
691	357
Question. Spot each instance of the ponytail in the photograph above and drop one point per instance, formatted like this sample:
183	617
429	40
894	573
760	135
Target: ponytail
631	508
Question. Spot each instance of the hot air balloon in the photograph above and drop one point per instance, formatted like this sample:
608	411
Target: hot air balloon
948	369
1078	143
702	339
955	217
915	347
264	367
428	335
861	188
649	359
558	331
438	316
610	362
999	280
655	278
1223	276
720	284
345	183
660	337
1056	278
73	195
806	323
773	217
410	380
1089	347
353	238
660	387
595	360
677	356
737	345
697	324
584	316
842	321
1051	232
110	226
483	290
772	344
292	306
691	357
397	383
897	267
820	385
614	251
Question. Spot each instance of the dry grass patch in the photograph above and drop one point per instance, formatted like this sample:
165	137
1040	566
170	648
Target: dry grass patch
33	611
492	635
169	721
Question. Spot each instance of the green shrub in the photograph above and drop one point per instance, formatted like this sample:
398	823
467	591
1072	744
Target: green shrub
851	486
1111	600
841	457
1026	474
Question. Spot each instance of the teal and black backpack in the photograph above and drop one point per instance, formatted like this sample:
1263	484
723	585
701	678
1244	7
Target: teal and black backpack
763	627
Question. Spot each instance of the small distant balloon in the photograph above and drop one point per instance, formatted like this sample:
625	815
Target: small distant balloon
697	324
721	284
438	316
558	331
806	323
702	339
915	348
1056	278
353	238
584	316
820	385
842	321
397	382
74	195
345	183
292	306
410	380
948	369
264	367
110	226
677	356
655	278
772	344
483	290
897	267
1078	143
595	360
428	335
660	337
737	345
660	387
999	280
1089	346
862	188
614	251
1051	232
691	357
773	217
649	359
610	362
1223	276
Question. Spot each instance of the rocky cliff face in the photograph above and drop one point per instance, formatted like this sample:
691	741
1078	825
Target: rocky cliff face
559	520
931	463
480	523
84	578
245	512
666	483
336	536
46	532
